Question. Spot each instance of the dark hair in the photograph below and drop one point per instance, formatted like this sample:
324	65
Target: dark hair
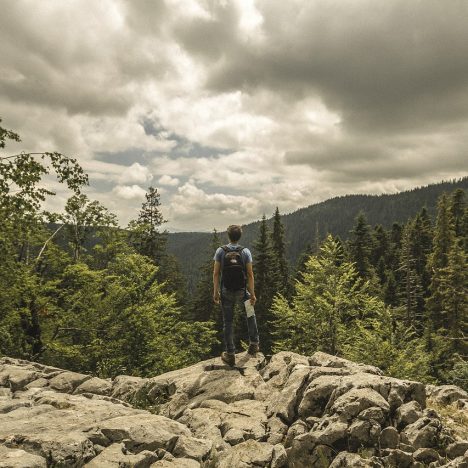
234	232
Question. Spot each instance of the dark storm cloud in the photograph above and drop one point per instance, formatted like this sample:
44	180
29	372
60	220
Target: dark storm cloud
383	66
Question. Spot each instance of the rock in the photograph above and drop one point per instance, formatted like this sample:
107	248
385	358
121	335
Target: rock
317	395
447	394
17	458
423	433
363	434
284	403
279	458
247	454
124	387
299	427
408	413
94	385
457	449
176	463
115	455
389	438
189	447
356	400
397	458
305	451
144	431
426	455
353	460
16	377
331	432
326	360
373	414
67	381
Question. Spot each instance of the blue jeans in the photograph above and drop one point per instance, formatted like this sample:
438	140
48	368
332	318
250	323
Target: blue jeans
228	301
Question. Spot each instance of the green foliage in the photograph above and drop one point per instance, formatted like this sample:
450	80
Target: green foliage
330	297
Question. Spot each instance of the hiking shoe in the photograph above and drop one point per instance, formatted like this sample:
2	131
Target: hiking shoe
228	358
253	349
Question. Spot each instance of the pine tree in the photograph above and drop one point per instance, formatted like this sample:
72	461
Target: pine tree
265	283
361	247
145	232
202	307
457	209
410	289
327	302
454	297
279	252
438	260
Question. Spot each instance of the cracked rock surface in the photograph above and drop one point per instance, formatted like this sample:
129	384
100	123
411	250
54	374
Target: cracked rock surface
290	411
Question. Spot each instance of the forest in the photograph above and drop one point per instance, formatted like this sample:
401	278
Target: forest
79	292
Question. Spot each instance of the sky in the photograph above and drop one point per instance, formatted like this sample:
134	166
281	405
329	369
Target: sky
231	108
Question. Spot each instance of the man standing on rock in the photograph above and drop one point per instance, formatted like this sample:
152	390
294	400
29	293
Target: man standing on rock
234	264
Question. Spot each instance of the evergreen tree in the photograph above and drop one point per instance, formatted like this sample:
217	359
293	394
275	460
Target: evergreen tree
265	283
421	245
145	232
361	247
329	299
438	261
410	288
202	307
454	297
279	252
457	209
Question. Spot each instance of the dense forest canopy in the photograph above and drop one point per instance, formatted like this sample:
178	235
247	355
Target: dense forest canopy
380	280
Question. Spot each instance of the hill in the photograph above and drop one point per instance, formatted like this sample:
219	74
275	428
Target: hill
335	216
289	411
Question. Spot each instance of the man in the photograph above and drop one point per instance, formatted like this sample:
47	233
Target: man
233	263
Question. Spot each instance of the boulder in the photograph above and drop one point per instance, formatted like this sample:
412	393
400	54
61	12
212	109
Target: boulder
389	438
426	455
94	385
408	413
116	455
67	381
457	449
17	458
447	394
353	460
423	433
247	454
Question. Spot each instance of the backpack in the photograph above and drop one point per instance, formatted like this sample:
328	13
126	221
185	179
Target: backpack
233	269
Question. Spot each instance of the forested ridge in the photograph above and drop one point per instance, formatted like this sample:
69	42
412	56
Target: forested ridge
79	292
336	216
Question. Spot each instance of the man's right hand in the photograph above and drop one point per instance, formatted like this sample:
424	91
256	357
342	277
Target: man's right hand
253	299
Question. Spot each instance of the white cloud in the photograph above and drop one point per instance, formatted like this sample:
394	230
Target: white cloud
135	173
168	180
129	192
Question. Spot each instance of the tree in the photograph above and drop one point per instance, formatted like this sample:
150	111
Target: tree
411	292
82	218
454	297
119	320
438	261
266	284
145	232
24	240
279	252
327	301
361	247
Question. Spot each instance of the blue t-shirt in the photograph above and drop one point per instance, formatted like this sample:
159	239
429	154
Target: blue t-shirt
246	255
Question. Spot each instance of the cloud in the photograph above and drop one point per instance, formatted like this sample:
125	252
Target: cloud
168	180
234	107
129	192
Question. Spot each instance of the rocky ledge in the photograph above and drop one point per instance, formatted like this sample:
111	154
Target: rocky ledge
290	411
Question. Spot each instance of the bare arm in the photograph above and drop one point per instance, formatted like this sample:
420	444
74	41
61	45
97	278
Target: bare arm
251	283
216	270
